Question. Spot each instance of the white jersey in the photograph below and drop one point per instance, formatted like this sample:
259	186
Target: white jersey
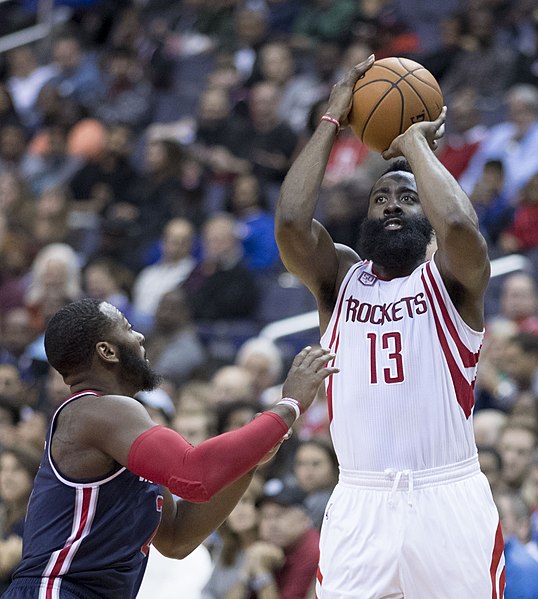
404	395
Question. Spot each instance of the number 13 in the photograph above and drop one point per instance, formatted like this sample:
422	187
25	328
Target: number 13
393	343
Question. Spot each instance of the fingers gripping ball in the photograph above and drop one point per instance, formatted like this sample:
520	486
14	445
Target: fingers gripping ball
390	97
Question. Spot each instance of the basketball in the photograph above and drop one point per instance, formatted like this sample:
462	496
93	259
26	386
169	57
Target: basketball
392	95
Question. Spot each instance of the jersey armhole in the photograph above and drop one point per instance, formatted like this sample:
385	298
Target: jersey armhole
328	336
437	277
73	482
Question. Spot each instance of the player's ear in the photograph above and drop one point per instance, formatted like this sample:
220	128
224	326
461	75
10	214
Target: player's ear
106	351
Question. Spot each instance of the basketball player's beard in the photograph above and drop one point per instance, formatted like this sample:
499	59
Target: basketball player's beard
136	371
395	250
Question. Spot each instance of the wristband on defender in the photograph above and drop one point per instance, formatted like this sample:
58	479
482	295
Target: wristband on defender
291	403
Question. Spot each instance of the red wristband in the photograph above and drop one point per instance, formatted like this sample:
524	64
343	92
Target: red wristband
331	119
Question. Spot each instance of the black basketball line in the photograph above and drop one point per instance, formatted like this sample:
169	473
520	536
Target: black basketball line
402	64
413	73
430	118
394	83
372	112
421	101
394	72
413	70
432	87
380	100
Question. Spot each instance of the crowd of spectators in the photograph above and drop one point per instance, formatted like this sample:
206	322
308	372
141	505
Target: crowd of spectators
142	147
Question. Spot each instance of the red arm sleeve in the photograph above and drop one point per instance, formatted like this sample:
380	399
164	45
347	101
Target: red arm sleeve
197	473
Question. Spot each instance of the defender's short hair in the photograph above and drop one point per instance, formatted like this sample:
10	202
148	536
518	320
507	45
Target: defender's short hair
73	332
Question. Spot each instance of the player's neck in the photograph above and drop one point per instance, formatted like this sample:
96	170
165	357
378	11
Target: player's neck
104	385
387	274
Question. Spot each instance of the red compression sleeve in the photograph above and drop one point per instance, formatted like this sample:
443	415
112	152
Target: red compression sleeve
197	473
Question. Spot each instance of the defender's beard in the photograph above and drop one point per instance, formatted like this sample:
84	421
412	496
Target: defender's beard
136	370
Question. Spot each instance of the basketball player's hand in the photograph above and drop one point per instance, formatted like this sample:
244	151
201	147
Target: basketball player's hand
308	371
339	104
431	131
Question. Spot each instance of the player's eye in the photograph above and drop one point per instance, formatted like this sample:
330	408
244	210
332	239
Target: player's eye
380	199
408	198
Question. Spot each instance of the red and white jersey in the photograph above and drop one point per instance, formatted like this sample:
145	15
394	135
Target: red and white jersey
404	395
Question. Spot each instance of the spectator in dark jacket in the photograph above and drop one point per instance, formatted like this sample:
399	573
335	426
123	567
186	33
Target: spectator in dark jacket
221	286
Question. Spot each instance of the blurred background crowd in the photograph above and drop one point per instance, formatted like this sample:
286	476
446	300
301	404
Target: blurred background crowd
142	147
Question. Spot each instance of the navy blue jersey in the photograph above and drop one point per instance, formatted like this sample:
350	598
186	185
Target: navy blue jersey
93	534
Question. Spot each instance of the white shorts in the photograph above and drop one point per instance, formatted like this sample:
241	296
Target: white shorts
428	534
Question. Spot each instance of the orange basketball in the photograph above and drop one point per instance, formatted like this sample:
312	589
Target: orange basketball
390	97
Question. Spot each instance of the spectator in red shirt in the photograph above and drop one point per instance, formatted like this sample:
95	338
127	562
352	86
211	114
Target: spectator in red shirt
283	563
522	236
465	132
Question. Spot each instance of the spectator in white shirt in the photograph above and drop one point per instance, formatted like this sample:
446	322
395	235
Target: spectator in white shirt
25	80
174	266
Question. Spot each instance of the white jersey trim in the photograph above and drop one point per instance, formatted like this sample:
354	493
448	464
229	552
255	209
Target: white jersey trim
62	479
61	559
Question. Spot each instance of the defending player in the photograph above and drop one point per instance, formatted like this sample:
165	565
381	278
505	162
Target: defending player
101	495
412	515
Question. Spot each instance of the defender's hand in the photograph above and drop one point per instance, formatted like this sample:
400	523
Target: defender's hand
308	371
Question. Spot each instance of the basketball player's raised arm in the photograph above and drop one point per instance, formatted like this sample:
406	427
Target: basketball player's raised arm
306	248
462	256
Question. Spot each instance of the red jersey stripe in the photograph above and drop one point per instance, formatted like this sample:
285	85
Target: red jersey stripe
330	384
464	390
334	343
469	358
330	398
497	588
339	312
502	583
61	560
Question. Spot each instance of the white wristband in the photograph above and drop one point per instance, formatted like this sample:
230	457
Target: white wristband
291	403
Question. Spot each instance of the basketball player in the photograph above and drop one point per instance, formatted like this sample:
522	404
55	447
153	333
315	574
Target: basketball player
103	493
412	515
